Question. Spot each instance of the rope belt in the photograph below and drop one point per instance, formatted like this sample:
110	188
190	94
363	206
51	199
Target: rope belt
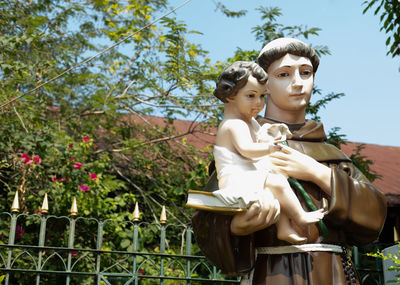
299	248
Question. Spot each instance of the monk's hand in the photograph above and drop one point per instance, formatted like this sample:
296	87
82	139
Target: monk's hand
301	166
257	217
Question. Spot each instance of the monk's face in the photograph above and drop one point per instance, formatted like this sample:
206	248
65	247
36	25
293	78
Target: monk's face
290	83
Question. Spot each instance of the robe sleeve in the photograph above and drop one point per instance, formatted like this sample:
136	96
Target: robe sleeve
357	207
234	255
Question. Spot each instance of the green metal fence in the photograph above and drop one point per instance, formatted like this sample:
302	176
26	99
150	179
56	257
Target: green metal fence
71	264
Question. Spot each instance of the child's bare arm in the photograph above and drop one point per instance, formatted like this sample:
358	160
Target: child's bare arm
240	136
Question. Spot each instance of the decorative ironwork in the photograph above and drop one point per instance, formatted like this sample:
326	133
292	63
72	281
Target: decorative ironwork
72	264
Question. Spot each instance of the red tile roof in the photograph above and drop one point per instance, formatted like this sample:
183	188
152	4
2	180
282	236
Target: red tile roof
386	162
386	159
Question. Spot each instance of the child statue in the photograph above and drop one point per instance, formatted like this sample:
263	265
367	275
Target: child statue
242	153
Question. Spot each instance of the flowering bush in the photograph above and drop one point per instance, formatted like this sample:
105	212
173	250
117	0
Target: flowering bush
76	170
55	163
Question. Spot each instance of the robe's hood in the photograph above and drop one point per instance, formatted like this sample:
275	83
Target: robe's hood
311	131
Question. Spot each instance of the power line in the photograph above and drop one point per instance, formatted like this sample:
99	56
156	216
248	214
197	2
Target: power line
94	56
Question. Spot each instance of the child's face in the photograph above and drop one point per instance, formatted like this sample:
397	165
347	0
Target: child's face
290	82
250	100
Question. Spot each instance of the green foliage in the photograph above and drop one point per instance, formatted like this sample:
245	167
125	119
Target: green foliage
363	163
335	138
313	108
115	87
271	29
389	11
230	13
395	258
95	115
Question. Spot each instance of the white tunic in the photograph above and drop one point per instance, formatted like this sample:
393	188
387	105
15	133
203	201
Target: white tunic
241	181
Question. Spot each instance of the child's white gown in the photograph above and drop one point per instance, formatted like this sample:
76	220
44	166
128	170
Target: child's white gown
241	180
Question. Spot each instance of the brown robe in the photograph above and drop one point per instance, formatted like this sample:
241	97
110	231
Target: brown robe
357	211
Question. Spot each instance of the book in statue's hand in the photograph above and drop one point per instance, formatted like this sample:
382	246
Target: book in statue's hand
207	201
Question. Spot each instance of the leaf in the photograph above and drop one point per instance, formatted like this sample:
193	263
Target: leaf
388	41
125	243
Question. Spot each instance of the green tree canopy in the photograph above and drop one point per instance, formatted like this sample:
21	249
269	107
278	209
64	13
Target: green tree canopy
389	15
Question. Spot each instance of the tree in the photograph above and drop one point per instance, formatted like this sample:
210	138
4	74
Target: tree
86	134
389	11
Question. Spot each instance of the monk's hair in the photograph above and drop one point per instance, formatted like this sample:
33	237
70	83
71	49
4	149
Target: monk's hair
267	57
235	76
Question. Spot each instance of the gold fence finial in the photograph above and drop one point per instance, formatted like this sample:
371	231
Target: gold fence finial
45	205
74	208
136	213
15	204
163	217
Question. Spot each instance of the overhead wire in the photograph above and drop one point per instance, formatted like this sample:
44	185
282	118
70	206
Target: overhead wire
96	55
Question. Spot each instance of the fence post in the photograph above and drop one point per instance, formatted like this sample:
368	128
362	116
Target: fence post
42	234
356	257
379	266
73	214
188	252
163	221
136	219
99	244
11	237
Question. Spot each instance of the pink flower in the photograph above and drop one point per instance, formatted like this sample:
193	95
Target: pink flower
27	159
86	139
37	159
95	146
83	187
93	176
77	165
73	253
141	271
70	145
54	179
19	232
72	159
63	179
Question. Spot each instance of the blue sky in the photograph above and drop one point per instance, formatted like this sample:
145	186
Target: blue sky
358	65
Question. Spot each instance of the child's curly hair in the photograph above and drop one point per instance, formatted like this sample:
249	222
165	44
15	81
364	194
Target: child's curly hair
235	76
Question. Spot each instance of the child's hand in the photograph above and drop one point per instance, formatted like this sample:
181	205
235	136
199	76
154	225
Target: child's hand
279	140
301	166
274	147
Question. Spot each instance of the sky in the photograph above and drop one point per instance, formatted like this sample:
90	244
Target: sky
358	65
